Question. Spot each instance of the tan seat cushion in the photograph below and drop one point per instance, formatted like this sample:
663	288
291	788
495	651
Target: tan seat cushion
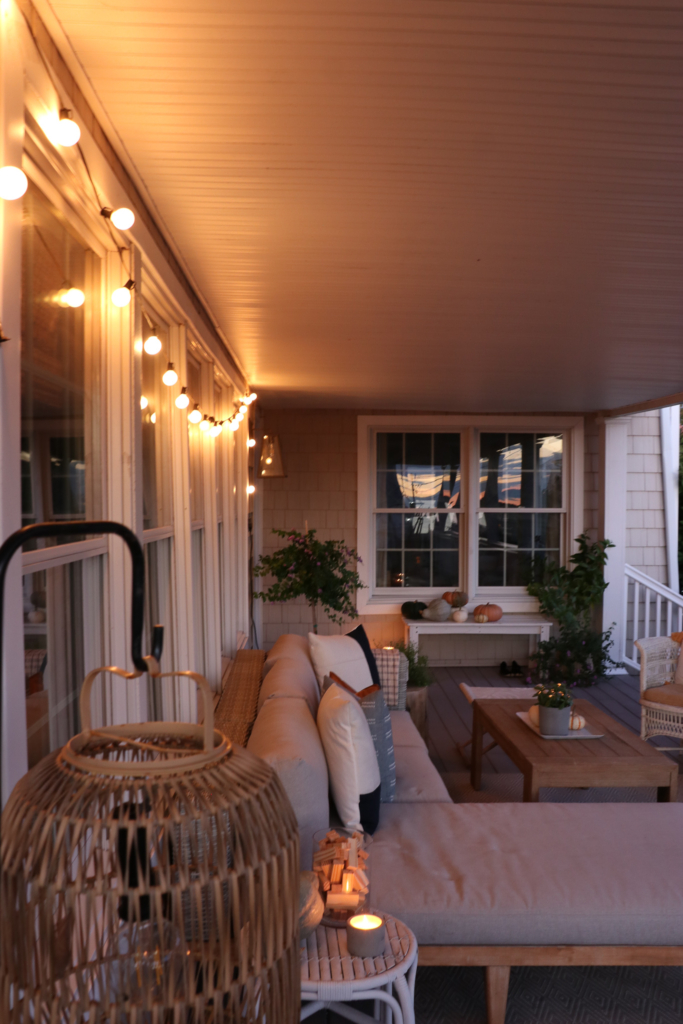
670	693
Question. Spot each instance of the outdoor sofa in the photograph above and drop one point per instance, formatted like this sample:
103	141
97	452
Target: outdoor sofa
494	885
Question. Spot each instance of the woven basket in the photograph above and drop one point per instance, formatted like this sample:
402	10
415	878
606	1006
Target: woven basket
150	875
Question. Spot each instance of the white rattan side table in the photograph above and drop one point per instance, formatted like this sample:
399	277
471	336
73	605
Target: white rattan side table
331	978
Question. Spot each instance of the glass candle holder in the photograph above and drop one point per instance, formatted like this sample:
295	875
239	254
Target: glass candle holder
341	860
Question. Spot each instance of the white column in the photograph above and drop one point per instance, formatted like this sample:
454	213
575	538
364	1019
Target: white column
670	430
612	525
13	739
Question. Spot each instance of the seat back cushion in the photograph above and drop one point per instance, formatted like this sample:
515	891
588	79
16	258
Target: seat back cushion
289	645
351	758
291	677
342	655
286	737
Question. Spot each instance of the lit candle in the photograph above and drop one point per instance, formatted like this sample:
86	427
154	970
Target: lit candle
365	935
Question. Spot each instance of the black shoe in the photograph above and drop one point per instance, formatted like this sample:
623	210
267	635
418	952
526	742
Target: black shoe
515	670
504	670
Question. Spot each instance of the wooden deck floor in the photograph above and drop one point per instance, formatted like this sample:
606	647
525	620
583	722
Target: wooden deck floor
449	716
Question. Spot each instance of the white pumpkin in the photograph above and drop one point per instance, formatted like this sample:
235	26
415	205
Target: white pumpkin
533	714
459	615
577	721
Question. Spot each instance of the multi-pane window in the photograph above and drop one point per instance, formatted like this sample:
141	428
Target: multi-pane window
155	416
59	371
520	506
417	510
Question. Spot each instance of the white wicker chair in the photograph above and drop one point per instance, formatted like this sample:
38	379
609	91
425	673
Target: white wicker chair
658	658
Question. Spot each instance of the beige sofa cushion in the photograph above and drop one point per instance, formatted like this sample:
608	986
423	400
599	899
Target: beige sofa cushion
416	777
538	874
286	737
289	645
291	677
403	730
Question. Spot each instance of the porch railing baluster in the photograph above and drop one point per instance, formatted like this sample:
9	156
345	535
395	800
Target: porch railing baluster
646	620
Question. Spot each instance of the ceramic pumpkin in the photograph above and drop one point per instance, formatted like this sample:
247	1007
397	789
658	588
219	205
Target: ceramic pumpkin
492	612
577	721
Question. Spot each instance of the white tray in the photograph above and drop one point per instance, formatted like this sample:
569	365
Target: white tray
573	734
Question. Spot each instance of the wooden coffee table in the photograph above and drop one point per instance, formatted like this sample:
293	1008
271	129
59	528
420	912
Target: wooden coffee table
619	759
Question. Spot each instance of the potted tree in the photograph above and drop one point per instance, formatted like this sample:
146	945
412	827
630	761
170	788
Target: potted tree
319	571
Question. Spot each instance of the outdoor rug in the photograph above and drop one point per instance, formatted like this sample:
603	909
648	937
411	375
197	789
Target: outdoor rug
547	995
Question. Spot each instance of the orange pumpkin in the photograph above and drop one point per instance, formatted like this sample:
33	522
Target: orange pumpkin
492	612
448	596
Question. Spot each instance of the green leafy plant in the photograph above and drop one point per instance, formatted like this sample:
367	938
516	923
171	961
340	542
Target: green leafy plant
418	664
315	569
555	696
579	655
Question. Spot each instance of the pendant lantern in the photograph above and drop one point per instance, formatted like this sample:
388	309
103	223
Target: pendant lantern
150	872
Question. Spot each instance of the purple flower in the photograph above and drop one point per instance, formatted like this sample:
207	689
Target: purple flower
317	563
320	590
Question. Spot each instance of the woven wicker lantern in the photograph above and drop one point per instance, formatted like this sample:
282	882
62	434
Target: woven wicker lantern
150	875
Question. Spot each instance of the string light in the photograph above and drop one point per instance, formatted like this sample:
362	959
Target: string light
183	399
122	218
205	424
252	397
153	417
251	489
216	429
195	416
121	296
152	345
234	425
13	182
243	409
251	443
72	297
170	377
66	132
143	402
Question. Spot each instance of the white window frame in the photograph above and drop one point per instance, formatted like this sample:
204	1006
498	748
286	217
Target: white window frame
383	600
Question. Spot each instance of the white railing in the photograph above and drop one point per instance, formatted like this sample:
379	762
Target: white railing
650	609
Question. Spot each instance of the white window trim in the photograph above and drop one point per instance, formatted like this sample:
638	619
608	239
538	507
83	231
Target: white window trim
376	601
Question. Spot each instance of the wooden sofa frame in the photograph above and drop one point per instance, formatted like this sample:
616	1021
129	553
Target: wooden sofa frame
499	959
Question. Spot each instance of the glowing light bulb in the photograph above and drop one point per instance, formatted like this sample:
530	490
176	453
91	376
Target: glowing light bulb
123	218
170	377
195	416
251	443
152	345
121	296
252	396
205	424
239	417
251	489
183	400
66	132
243	409
268	461
143	402
13	182
74	297
216	429
153	417
234	425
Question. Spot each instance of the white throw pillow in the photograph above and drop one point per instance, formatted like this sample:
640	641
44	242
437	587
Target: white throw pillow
342	655
349	751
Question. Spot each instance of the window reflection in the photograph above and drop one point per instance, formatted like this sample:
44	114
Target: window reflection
59	375
419	471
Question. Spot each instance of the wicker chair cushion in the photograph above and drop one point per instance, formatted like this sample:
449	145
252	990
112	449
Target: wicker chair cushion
671	693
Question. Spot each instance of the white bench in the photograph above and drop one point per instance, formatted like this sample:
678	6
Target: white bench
536	627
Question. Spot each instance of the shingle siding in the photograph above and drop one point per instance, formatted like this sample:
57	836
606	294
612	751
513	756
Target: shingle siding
645	527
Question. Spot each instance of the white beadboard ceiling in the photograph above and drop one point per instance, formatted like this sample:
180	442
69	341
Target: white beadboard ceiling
415	203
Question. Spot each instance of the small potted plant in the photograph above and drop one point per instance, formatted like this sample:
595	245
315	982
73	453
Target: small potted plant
554	708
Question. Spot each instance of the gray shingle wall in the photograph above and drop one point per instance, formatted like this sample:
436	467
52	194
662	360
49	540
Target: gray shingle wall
645	528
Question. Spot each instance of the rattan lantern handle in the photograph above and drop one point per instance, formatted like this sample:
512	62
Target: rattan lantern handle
153	669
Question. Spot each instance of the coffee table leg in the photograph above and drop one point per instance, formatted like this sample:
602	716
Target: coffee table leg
477	741
531	789
668	794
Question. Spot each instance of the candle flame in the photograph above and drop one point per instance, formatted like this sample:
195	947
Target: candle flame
366	922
